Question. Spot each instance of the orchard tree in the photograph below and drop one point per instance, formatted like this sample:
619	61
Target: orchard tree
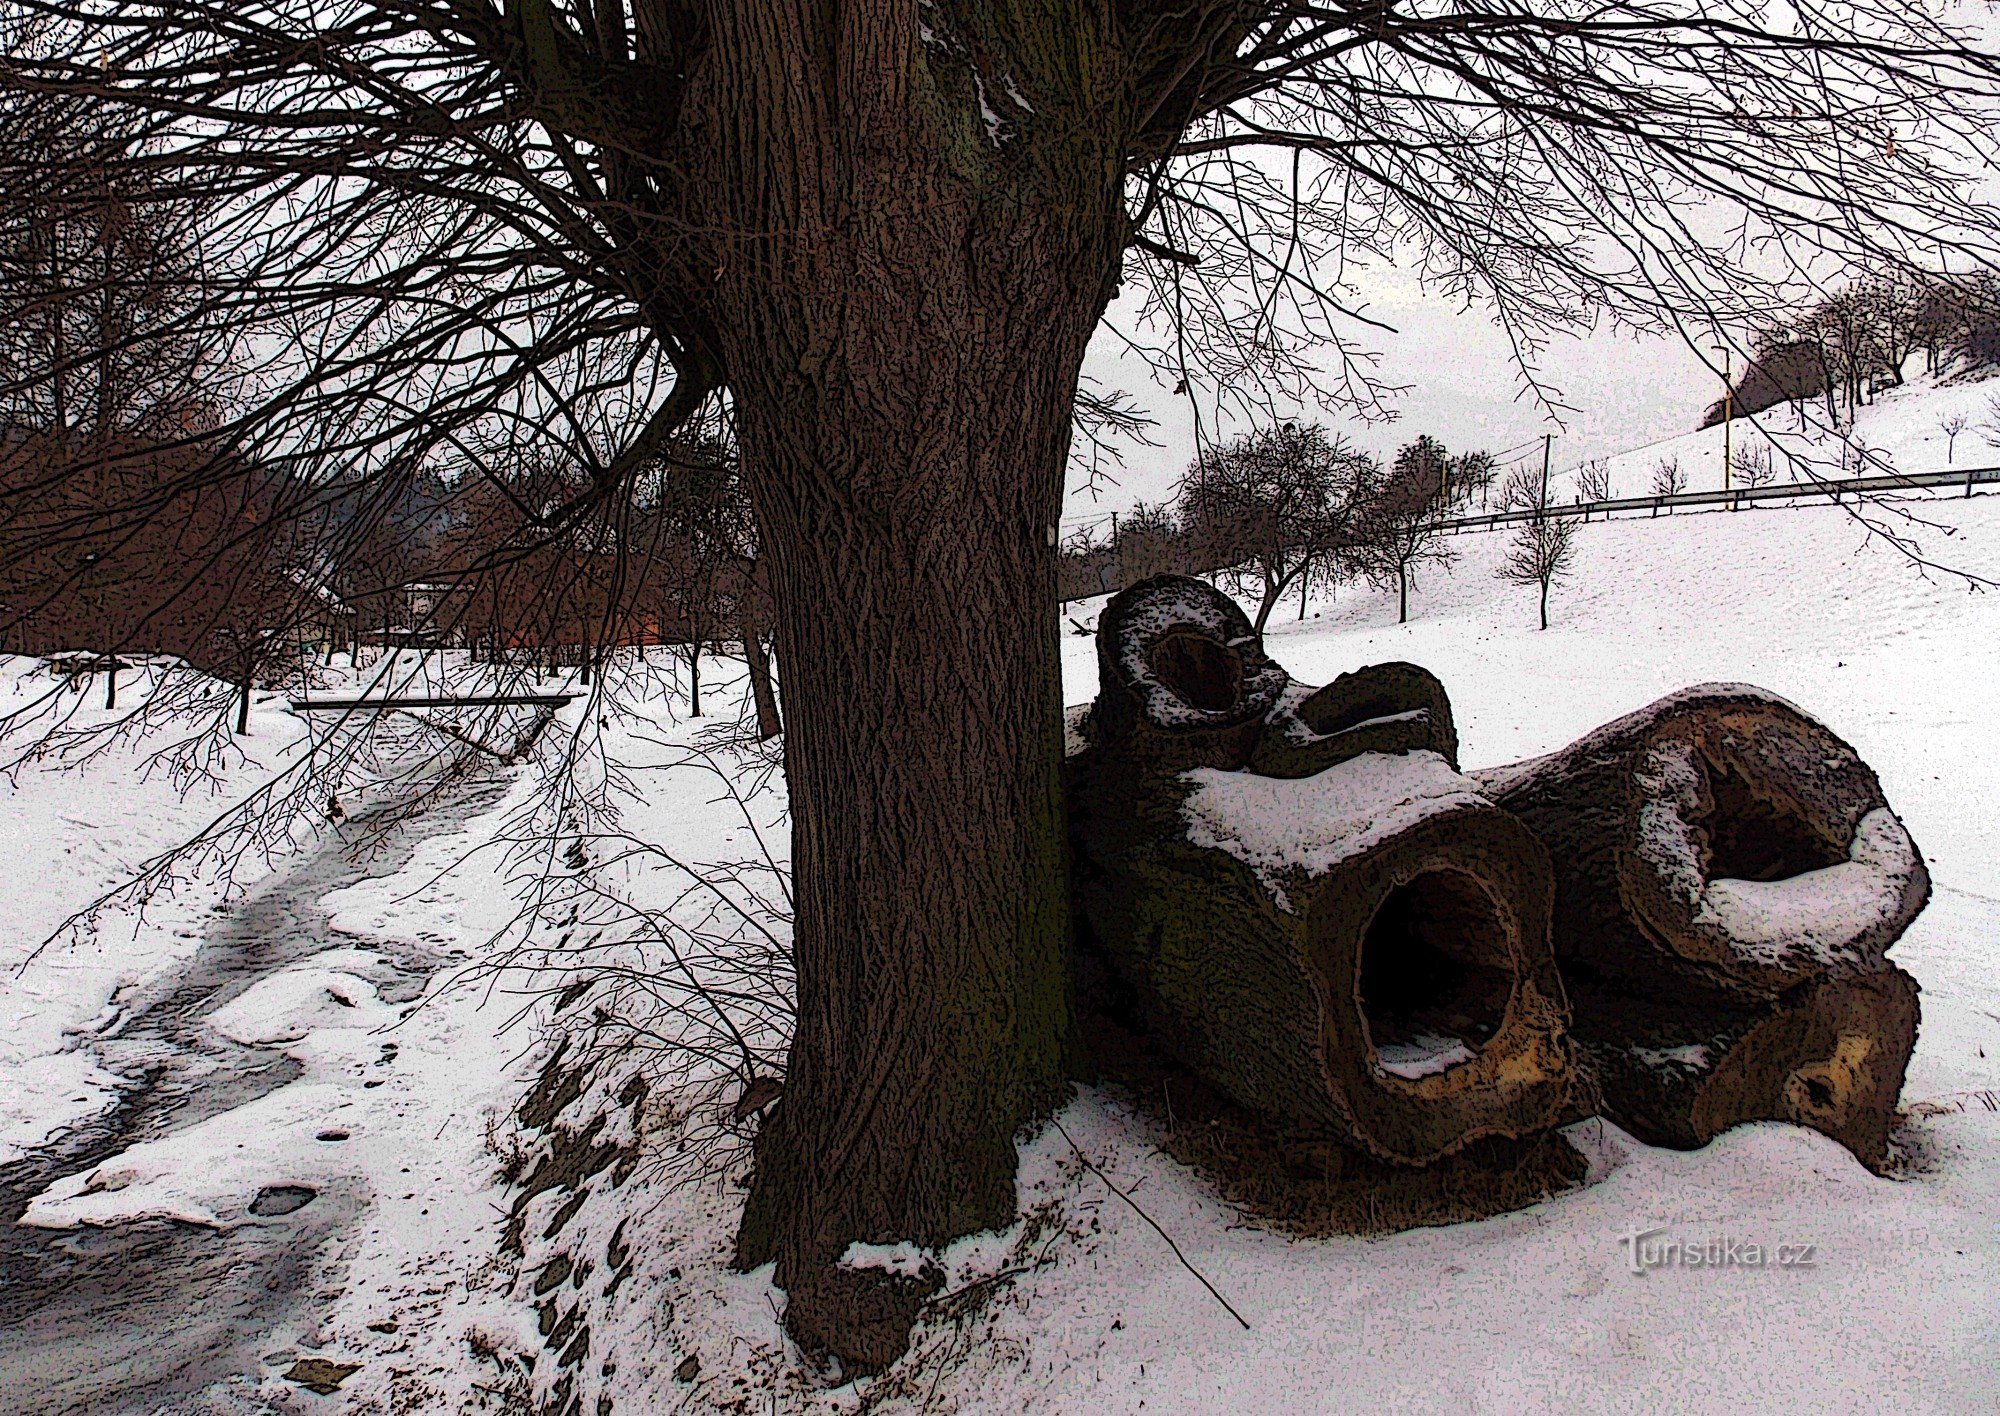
1402	523
1540	552
880	236
1274	505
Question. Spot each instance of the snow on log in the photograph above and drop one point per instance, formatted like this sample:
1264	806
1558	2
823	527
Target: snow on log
1679	1069
1721	833
1360	953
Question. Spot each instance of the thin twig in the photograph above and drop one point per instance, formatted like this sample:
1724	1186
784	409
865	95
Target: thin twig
1089	1165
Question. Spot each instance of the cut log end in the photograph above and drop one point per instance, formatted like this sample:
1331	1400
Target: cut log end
1444	1017
1829	1054
1183	679
1727	829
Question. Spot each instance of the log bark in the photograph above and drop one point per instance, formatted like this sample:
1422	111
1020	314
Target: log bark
1719	837
1679	1069
1392	707
1359	951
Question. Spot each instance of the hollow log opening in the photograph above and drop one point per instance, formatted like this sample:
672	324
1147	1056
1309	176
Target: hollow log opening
1197	670
1751	837
1436	974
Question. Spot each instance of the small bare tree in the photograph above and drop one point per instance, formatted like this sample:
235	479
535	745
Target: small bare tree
1402	523
1540	555
1951	426
1668	479
1593	480
1752	466
1522	491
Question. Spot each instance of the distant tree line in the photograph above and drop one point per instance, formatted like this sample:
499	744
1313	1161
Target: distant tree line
1283	509
132	523
1862	338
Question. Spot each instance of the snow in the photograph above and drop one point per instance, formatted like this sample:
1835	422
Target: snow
905	1260
1422	1056
1822	913
1278	825
1691	1055
70	836
1082	1305
1899	432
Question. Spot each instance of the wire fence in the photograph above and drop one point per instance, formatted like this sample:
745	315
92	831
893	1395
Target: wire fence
1733	498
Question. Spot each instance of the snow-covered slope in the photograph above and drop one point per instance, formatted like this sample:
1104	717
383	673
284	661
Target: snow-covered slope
1535	1311
1903	430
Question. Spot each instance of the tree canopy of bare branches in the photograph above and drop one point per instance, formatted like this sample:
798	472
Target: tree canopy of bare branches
881	236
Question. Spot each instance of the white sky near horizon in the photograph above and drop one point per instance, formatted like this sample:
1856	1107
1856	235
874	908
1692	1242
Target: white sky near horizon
1459	384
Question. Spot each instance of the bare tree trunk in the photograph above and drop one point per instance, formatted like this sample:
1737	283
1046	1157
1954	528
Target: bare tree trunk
1402	592
902	317
1545	602
694	676
111	683
923	750
243	705
769	724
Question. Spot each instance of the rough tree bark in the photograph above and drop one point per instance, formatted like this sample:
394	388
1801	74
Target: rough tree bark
900	315
1677	1067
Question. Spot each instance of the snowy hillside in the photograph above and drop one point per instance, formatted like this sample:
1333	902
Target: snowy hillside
1901	431
1534	1311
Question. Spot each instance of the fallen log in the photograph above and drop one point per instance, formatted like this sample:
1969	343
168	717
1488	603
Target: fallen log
1829	1053
1360	953
1721	834
1382	708
1729	878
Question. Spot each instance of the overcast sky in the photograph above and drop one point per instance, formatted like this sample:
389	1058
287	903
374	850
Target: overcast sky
1461	387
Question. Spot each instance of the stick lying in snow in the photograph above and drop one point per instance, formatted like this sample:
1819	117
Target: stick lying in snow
1089	1165
1291	937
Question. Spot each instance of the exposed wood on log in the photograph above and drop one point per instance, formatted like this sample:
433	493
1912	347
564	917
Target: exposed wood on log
1677	1070
1720	829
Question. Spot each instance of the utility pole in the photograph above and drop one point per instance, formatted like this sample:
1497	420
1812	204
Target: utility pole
1548	446
1728	417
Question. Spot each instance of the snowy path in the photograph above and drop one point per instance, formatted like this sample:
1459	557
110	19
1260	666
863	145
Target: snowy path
119	1316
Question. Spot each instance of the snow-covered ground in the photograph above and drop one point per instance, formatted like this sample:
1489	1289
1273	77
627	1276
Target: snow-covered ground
1539	1310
